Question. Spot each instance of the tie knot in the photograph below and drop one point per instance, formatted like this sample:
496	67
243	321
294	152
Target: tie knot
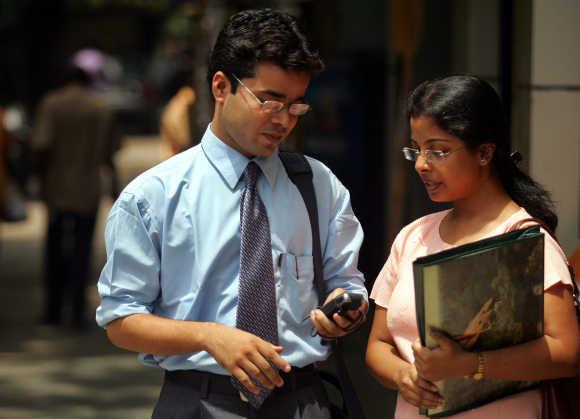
251	174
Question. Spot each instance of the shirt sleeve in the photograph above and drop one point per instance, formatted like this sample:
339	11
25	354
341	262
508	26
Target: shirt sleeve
555	264
388	276
129	281
340	254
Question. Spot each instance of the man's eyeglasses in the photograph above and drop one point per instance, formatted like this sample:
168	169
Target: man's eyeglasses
431	156
272	106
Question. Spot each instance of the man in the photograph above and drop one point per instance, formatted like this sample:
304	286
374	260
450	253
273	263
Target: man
74	140
184	261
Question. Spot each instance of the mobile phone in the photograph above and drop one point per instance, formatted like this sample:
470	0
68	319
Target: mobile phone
341	304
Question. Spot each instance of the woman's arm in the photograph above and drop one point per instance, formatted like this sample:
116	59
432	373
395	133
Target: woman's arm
385	363
556	354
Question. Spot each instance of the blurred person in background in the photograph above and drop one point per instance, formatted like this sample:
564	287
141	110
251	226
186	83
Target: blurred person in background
172	73
176	122
74	139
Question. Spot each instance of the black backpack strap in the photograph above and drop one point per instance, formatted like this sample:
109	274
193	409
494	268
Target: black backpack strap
300	173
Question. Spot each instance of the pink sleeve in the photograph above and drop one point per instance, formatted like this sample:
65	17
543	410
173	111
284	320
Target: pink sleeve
555	264
388	277
555	260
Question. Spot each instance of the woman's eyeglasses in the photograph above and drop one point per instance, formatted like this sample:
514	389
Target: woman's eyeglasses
431	156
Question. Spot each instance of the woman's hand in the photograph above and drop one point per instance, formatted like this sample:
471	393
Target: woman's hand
449	359
416	390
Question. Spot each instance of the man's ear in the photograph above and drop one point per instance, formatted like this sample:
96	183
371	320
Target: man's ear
486	153
220	86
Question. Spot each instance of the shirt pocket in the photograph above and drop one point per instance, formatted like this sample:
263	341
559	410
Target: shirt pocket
297	292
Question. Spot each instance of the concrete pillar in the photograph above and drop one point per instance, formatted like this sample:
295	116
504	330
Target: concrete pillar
555	109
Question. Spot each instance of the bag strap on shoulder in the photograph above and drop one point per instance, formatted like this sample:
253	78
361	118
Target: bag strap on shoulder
300	173
533	220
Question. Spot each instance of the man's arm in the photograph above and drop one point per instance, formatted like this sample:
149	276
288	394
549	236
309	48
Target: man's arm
341	247
129	288
41	139
239	352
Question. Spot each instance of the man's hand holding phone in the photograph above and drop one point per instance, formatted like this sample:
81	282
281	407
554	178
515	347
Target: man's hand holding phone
341	314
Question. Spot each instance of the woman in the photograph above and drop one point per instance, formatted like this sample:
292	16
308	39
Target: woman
460	148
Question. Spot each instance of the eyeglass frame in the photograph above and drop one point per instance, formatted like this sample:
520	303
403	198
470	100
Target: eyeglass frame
278	105
430	156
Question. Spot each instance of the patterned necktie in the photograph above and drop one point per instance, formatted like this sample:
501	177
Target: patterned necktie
257	295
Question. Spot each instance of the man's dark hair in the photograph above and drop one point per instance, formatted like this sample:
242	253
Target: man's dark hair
253	36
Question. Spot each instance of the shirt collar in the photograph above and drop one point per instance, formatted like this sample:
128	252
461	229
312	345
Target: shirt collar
231	164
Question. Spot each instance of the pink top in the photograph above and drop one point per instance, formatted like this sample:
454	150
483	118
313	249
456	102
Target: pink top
394	290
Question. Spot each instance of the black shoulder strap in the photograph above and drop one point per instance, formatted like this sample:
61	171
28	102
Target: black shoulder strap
300	173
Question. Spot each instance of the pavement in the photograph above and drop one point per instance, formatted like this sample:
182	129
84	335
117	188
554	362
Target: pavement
60	373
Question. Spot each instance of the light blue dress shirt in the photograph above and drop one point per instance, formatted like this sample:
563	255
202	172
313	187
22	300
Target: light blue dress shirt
173	247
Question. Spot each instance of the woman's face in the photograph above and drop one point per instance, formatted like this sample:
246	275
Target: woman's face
449	170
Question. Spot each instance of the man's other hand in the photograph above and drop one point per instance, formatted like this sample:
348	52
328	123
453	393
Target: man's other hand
246	355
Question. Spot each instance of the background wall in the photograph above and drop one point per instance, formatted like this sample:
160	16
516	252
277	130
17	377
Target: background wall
555	110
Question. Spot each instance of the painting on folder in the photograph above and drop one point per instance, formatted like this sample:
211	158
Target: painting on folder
484	295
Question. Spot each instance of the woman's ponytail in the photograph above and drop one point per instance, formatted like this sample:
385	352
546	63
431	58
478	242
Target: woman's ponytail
524	190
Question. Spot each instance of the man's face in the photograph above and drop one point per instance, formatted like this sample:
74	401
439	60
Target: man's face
239	119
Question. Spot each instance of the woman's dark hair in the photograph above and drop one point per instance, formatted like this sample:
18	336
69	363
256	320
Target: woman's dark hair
469	108
253	36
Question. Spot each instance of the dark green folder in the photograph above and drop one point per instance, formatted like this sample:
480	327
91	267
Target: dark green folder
486	295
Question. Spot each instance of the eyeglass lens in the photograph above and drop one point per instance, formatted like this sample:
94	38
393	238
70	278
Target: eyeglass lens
273	106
